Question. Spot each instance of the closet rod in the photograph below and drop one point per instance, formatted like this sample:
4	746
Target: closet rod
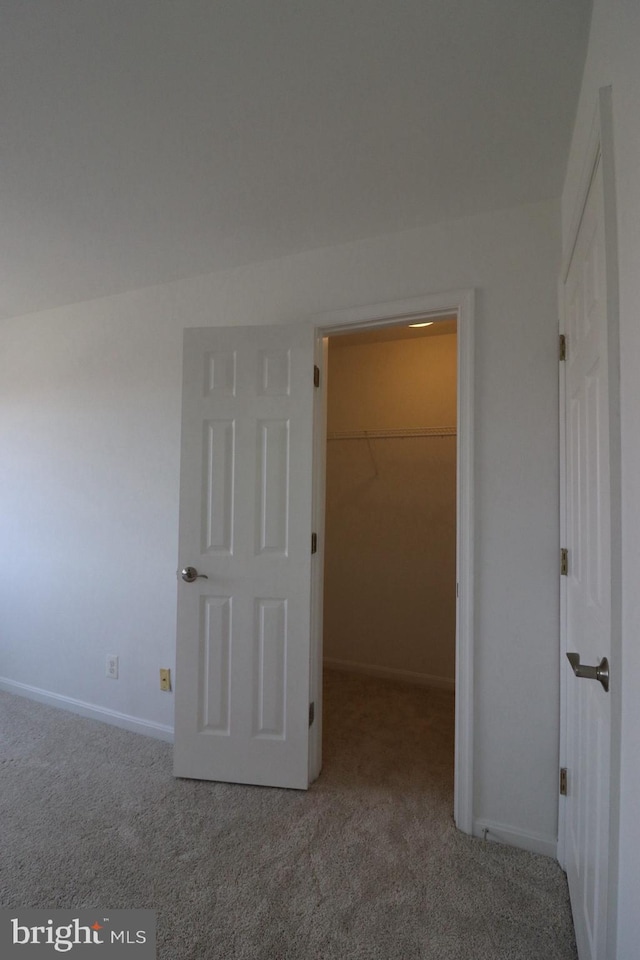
393	433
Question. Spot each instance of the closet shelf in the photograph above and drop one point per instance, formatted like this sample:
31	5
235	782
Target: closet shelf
393	433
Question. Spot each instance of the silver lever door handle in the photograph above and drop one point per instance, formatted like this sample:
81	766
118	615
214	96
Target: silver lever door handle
601	672
189	574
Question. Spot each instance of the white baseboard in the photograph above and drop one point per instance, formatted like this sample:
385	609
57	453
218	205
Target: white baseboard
389	673
499	833
146	727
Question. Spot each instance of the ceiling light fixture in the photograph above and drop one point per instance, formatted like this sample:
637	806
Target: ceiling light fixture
427	324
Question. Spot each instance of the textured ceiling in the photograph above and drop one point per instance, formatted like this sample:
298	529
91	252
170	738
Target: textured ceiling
147	140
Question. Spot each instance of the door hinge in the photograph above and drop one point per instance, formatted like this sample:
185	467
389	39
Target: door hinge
312	712
563	781
316	376
563	347
564	562
314	543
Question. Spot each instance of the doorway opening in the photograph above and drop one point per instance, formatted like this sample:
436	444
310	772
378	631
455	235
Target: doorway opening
390	528
384	321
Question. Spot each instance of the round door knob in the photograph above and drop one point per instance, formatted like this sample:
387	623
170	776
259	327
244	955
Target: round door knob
189	574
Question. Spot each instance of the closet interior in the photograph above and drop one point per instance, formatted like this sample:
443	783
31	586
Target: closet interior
390	534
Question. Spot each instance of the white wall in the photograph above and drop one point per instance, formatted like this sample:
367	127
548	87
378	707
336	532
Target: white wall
89	413
89	399
390	528
613	59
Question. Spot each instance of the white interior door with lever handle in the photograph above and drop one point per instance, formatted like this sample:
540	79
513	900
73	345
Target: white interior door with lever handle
588	585
244	614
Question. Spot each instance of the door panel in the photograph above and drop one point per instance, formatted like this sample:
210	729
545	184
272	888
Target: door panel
588	627
243	646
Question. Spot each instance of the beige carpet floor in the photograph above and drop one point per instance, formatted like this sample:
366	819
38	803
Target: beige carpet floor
367	865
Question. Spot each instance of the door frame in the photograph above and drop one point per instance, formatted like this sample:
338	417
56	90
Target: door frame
599	147
461	303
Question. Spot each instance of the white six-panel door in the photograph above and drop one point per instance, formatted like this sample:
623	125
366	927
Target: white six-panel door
243	644
588	595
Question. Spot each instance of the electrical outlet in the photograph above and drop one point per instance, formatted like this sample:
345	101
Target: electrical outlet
112	667
165	679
